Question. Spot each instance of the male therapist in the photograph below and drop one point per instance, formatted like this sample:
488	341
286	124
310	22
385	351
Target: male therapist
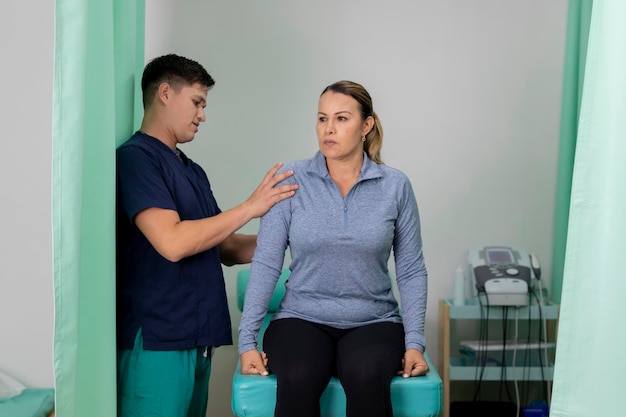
172	239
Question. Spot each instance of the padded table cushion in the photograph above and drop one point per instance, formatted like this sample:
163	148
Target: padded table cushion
255	395
32	402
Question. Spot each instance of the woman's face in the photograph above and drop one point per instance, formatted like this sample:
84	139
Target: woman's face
340	126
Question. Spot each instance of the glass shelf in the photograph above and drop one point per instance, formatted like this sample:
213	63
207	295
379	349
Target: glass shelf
473	310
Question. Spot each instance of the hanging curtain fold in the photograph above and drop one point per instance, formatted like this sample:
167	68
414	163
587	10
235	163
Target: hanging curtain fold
98	54
578	20
588	370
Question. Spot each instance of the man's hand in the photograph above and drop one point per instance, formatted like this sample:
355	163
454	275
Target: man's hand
253	363
175	239
267	194
413	364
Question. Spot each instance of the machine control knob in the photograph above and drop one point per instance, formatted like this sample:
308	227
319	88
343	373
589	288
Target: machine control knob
512	271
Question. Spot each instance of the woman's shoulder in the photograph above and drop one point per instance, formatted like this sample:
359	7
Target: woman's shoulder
394	174
299	166
296	164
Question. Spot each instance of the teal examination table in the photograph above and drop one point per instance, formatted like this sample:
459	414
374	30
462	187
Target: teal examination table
255	395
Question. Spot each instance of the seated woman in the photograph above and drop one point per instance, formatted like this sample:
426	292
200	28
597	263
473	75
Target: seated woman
339	315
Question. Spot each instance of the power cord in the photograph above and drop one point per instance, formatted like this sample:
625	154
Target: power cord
515	336
503	377
543	335
482	351
536	269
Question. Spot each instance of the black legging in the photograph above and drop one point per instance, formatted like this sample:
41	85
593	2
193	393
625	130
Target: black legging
304	356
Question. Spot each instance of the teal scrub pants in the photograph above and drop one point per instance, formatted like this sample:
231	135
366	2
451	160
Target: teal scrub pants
163	383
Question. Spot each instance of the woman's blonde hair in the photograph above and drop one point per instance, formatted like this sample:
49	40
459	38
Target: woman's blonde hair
374	139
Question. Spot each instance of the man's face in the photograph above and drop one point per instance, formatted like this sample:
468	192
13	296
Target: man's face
186	112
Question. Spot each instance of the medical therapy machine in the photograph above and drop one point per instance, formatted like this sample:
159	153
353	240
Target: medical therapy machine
501	274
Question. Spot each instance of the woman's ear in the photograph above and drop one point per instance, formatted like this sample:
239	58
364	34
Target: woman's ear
368	125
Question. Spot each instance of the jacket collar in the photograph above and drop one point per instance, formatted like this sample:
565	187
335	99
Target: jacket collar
369	170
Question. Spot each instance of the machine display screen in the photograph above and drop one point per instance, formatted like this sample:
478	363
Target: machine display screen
499	256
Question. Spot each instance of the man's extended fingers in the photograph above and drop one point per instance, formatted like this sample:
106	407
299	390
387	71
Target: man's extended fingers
270	174
278	178
282	189
273	170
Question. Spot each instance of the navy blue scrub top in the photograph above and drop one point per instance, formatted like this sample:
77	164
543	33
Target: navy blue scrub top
178	305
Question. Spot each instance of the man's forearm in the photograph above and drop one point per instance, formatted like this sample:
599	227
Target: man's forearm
237	249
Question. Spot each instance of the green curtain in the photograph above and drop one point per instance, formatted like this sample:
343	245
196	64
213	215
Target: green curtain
588	369
97	59
579	17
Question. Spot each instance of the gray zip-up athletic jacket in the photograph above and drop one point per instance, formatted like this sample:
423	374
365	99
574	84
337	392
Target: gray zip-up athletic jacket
340	250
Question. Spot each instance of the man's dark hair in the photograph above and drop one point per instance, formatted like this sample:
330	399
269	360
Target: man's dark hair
175	70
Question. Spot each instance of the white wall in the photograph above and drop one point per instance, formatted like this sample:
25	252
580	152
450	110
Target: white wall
469	94
26	301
